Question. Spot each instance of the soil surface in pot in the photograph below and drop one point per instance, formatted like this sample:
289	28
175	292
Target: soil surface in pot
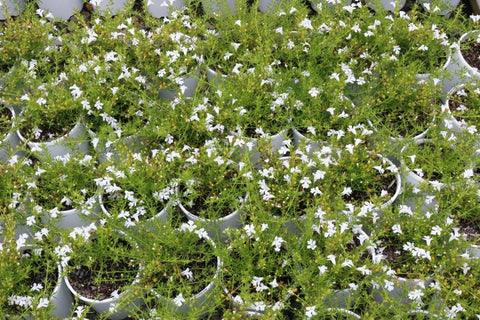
202	267
471	228
388	183
5	121
115	276
472	54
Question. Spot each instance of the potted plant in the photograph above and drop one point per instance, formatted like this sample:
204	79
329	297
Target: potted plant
14	215
405	249
423	45
138	192
463	66
213	189
292	187
365	183
431	164
181	270
319	111
258	271
63	192
330	267
101	272
51	118
403	108
32	286
10	143
460	110
177	56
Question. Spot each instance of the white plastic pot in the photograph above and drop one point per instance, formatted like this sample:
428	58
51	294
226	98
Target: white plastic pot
188	86
219	7
104	306
389	5
458	68
216	228
109	7
62	9
11	8
446	6
299	138
60	299
58	147
10	143
163	8
199	298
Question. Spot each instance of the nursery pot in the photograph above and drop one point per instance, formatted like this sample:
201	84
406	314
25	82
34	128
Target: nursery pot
459	69
109	7
62	9
59	147
389	5
10	143
446	6
161	216
342	299
73	218
11	8
163	8
299	138
61	299
268	6
217	227
200	298
188	85
399	293
219	7
105	305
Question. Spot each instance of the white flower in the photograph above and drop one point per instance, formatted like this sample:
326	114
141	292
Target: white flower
436	231
396	228
346	191
179	300
310	312
314	92
188	274
277	243
332	258
468	173
475	18
43	303
306	23
273	283
322	269
423	48
415	295
406	209
36	287
312	244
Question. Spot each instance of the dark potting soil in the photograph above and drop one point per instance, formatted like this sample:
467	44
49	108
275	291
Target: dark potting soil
472	54
389	184
118	276
5	121
471	228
